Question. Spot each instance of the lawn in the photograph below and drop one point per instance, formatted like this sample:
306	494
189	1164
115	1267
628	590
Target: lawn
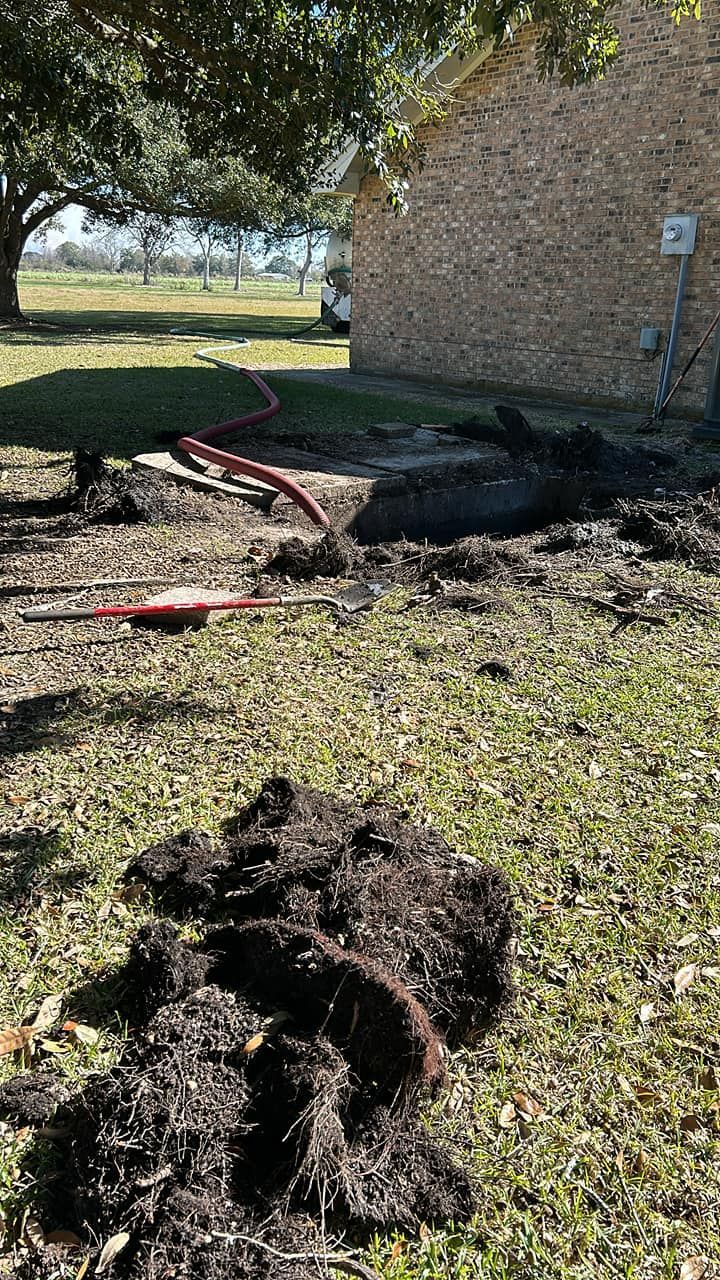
591	778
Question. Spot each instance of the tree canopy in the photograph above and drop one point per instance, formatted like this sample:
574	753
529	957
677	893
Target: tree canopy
283	82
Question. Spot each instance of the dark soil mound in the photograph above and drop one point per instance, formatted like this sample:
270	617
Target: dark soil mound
585	448
270	1095
334	555
115	495
295	854
591	537
677	527
186	867
472	559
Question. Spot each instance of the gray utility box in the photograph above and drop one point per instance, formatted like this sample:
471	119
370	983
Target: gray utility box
649	338
679	231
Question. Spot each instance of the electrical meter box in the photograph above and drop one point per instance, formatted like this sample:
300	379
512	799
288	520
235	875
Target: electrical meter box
679	231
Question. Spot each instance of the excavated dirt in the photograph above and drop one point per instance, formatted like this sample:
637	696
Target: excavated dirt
269	1098
473	559
298	855
114	495
32	1099
674	526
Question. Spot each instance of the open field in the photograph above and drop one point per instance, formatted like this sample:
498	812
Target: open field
591	777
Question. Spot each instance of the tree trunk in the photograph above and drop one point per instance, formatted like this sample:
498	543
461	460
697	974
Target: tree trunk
306	264
238	262
146	267
11	247
206	269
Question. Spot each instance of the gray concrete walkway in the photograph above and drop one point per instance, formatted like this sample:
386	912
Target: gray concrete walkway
543	413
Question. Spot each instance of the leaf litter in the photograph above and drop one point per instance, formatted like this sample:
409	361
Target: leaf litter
269	1101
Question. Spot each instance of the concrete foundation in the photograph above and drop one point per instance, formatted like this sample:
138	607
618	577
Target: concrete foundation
397	480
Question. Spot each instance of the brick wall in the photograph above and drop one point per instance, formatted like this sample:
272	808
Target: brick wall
531	254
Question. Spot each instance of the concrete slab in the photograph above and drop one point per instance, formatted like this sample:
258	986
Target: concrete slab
390	430
438	458
254	492
179	618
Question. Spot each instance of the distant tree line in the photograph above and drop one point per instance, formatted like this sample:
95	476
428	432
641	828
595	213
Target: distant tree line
110	253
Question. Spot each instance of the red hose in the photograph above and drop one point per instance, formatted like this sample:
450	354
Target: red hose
195	445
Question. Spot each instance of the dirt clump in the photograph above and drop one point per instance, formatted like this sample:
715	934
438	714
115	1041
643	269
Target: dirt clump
186	867
333	555
269	1098
676	527
472	559
32	1098
296	854
116	495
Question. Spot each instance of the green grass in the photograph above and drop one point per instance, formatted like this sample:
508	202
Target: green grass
113	376
106	302
592	779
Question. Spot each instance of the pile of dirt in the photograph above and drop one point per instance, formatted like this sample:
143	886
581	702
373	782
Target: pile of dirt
581	448
585	448
676	527
115	495
269	1099
592	539
472	559
334	555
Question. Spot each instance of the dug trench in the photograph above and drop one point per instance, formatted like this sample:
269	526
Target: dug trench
266	1115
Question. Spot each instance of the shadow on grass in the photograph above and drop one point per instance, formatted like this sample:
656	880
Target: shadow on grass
72	324
60	720
123	411
26	856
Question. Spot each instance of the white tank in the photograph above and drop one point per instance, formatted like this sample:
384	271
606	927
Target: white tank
338	262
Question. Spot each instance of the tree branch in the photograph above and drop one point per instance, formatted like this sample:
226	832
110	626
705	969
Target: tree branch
41	215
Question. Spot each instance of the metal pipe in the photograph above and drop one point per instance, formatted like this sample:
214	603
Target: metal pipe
674	335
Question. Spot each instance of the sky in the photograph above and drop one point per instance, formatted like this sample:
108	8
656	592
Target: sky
71	219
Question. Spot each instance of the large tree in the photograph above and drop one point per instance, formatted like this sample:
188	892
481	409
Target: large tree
309	222
62	137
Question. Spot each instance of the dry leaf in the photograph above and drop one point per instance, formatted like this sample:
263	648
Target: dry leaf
690	1124
594	769
15	1038
253	1043
640	1162
424	1231
508	1116
686	940
130	892
529	1107
708	1079
646	1096
85	1035
48	1013
684	978
710	971
110	1251
53	1046
694	1268
398	1248
647	1012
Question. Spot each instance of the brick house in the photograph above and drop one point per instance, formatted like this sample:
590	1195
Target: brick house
530	257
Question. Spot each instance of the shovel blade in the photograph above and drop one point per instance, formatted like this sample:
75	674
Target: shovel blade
363	595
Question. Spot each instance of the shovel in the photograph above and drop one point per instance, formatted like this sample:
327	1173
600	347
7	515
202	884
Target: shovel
359	596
